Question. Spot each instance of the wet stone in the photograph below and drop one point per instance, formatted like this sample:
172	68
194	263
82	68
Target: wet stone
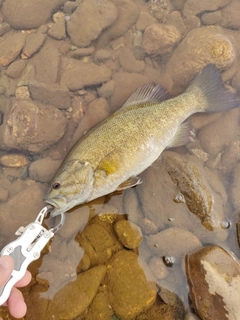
129	234
194	7
74	76
204	45
4	28
15	69
190	183
173	242
58	29
22	14
3	194
129	62
77	295
54	94
89	20
214	280
33	127
11	45
125	281
43	170
160	38
33	43
14	160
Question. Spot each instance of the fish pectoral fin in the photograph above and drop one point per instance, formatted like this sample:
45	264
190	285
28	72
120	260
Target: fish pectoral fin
184	135
129	183
149	92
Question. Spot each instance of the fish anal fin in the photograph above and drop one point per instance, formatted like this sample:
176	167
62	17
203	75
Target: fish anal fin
148	93
129	183
183	136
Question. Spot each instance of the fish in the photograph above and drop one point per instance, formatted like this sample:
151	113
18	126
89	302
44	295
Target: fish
111	155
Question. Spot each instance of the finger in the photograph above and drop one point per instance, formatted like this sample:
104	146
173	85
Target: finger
16	304
6	268
25	280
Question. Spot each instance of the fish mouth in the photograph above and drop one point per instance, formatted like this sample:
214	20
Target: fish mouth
51	202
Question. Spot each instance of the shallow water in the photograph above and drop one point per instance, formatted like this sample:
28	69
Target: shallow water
65	74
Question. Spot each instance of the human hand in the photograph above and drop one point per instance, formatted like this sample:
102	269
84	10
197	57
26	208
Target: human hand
15	303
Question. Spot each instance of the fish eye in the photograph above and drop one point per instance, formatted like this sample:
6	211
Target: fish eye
56	185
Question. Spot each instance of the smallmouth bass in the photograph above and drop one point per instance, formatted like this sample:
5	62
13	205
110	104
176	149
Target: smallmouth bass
112	154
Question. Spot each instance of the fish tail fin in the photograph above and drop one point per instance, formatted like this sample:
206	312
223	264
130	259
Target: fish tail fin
210	91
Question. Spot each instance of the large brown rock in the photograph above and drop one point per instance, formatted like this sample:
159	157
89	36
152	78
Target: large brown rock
128	290
214	282
33	127
28	14
88	21
200	47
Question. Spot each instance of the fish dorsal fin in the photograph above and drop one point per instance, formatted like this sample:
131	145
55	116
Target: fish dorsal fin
149	92
129	183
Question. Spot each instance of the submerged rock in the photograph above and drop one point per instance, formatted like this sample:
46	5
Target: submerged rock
11	45
214	281
88	21
128	290
77	295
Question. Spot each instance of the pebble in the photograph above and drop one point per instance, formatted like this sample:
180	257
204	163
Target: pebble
89	20
174	242
129	234
210	18
160	38
126	280
58	29
11	45
74	75
4	28
214	281
158	268
14	160
34	41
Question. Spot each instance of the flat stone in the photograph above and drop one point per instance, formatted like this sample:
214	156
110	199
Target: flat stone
52	93
79	74
11	45
173	242
15	69
214	281
14	160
